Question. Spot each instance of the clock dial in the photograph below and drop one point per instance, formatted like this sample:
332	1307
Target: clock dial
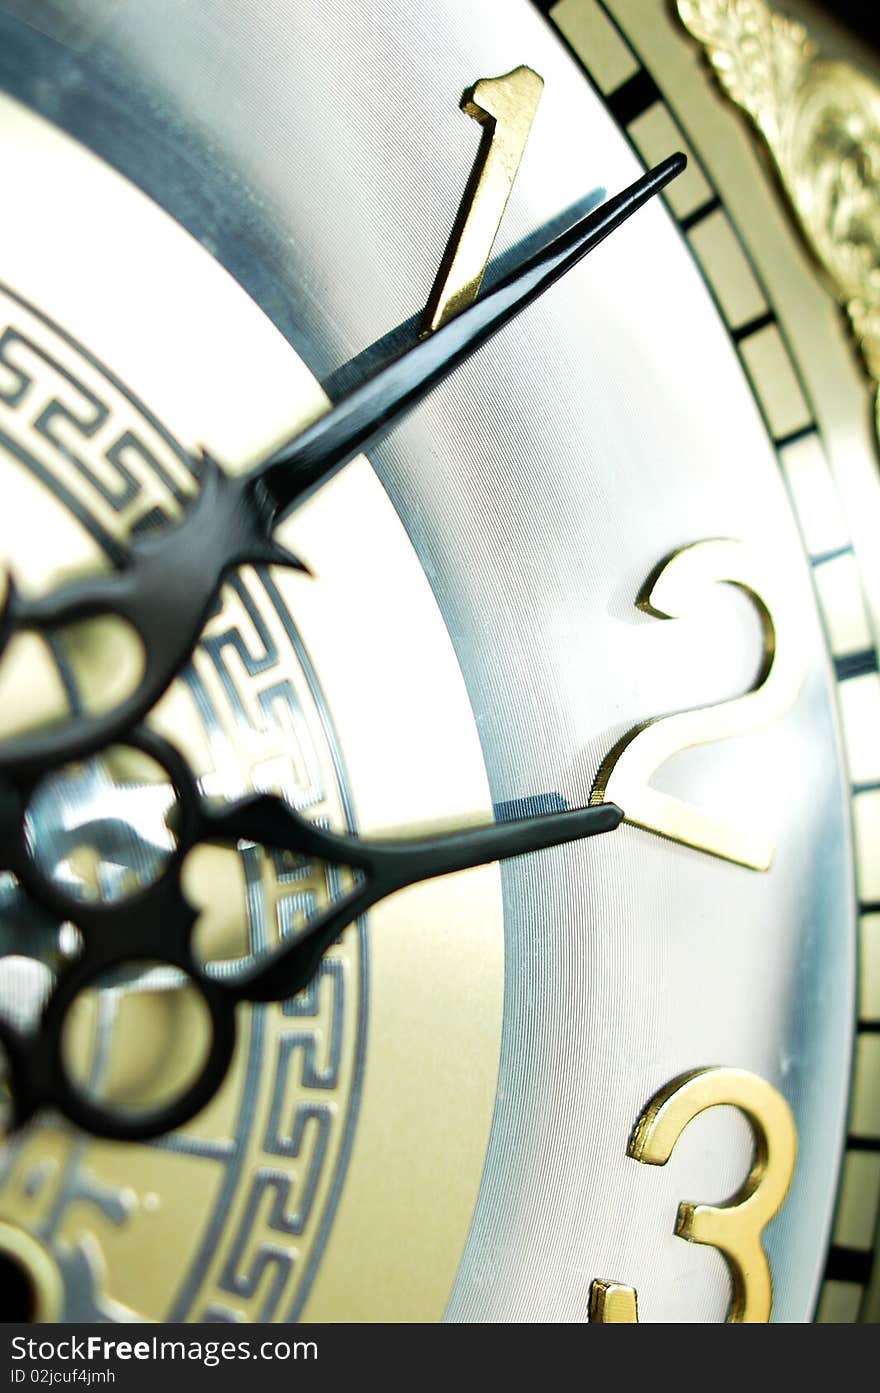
587	567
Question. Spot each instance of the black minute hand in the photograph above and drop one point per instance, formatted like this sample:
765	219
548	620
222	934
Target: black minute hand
170	578
369	411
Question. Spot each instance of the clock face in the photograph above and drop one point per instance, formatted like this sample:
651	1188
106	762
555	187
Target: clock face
617	556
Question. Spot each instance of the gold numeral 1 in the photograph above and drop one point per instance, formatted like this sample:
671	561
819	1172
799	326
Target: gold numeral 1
505	107
735	1228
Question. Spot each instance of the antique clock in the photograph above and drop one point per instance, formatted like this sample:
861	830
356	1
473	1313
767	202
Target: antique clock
440	750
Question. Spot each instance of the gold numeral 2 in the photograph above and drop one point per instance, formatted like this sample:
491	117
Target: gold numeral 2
625	773
505	107
734	1228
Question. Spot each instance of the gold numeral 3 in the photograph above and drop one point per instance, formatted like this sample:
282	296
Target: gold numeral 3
734	1228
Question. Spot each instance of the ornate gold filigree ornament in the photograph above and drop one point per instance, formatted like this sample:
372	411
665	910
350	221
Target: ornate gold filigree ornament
821	123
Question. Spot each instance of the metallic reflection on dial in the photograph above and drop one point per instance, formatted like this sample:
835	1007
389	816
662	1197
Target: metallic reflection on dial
540	487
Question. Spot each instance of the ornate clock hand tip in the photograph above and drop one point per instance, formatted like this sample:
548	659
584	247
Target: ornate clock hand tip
370	410
672	166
